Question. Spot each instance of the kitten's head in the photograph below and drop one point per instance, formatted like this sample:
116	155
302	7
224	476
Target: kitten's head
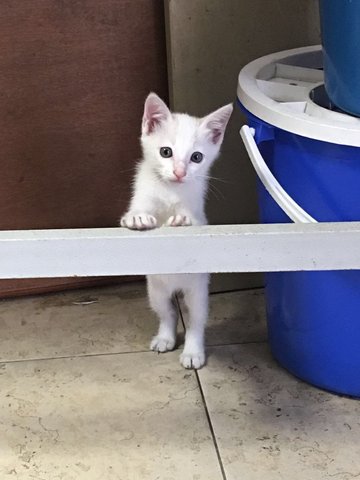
181	148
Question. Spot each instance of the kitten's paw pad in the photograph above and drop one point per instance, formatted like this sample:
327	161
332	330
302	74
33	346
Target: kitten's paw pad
179	221
162	344
194	360
142	221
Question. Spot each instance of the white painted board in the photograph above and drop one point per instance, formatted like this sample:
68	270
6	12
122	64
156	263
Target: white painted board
216	248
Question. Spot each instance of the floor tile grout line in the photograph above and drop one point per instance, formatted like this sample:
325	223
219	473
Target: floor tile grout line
180	312
252	342
85	355
130	352
211	427
236	290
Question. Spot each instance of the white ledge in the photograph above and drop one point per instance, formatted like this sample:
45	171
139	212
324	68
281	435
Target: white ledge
217	248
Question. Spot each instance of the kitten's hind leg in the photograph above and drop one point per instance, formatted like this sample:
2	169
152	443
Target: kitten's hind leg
160	298
196	299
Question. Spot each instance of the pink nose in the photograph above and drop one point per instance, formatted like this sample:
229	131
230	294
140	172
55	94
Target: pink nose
179	174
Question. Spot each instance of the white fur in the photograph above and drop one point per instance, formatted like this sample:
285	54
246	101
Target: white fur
171	192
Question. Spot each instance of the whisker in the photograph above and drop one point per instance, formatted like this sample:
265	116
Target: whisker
218	191
210	191
209	177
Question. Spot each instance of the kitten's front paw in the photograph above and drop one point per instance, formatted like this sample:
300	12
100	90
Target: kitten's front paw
162	344
178	221
141	221
195	359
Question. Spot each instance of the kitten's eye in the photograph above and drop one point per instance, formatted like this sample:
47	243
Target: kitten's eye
166	152
196	157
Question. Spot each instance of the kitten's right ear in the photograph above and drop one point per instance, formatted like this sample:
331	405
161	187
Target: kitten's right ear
155	112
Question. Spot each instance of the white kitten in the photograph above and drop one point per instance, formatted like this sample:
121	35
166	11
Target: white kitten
169	189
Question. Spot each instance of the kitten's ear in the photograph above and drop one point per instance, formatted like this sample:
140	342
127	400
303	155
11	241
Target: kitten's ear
215	123
155	112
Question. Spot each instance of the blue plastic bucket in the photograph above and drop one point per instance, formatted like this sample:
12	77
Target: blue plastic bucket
340	31
313	317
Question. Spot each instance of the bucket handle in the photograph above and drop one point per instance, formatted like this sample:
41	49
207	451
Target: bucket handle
285	202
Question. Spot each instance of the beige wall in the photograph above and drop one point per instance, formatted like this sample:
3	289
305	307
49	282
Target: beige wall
209	41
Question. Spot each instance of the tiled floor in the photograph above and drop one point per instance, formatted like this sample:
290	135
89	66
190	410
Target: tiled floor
82	397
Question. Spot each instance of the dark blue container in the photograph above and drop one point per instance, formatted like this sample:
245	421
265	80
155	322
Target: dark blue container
340	31
313	317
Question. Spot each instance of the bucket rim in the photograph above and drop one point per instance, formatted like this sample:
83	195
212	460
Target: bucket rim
276	89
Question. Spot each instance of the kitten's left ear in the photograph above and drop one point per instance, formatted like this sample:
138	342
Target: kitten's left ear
155	112
216	123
